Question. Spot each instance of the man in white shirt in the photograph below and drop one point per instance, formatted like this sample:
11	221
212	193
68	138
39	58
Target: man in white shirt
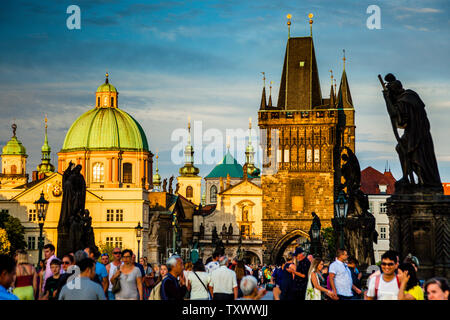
341	277
223	285
386	285
214	264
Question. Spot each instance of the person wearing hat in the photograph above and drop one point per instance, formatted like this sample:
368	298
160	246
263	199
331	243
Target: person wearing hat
300	273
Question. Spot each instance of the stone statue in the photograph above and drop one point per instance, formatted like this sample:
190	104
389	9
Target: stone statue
415	147
315	221
224	230
170	184
177	187
202	230
230	230
87	237
359	227
154	225
165	185
215	235
71	231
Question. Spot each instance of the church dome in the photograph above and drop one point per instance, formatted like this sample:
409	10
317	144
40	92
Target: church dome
105	129
14	147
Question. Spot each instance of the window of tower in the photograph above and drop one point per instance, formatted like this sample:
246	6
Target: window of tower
98	101
127	173
13	169
213	194
189	192
112	101
98	172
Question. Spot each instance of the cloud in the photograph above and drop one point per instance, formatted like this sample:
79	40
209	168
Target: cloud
421	10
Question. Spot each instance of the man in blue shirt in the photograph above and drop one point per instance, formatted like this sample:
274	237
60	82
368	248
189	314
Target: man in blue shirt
101	275
7	273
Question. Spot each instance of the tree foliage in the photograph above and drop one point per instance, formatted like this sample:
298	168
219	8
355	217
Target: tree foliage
5	245
14	230
329	237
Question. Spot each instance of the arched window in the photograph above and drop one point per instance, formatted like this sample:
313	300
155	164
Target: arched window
127	173
98	101
112	101
189	192
98	172
13	169
213	194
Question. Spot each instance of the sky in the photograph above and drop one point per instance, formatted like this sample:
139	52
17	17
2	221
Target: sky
203	59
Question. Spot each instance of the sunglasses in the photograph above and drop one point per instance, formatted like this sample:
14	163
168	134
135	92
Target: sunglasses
117	252
390	264
65	262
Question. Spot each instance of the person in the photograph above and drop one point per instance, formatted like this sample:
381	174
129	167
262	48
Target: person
316	288
437	289
41	275
198	281
67	263
287	286
356	275
155	271
171	288
7	274
249	288
240	273
101	274
147	267
223	285
214	263
104	259
130	278
409	284
25	284
52	283
386	285
155	293
136	264
148	282
341	277
49	255
301	273
111	269
83	287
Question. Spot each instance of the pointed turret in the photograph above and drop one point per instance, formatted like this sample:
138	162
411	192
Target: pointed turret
344	99
270	94
332	98
45	168
263	104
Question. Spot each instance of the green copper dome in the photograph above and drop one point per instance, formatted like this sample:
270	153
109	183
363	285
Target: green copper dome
106	87
229	165
105	129
14	147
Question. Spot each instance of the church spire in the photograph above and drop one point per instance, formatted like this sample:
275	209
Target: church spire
332	94
250	154
344	96
188	169
45	167
270	94
263	97
156	176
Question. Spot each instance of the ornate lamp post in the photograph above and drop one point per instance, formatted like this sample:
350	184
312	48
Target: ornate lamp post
138	229
315	239
41	209
341	207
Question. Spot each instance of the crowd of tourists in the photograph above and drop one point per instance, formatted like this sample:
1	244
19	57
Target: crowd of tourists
89	275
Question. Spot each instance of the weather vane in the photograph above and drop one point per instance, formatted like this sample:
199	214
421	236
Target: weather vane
310	16
289	16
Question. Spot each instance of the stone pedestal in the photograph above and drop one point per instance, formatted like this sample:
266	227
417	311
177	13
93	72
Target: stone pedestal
153	252
420	224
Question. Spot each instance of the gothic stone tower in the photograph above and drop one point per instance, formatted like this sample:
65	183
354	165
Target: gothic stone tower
302	138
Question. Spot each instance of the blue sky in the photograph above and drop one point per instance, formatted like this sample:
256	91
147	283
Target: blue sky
171	59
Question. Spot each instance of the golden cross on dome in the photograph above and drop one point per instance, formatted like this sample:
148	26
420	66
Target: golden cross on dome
45	119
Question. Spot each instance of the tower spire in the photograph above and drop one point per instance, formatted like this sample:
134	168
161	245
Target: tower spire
106	76
289	16
332	94
343	58
156	176
249	167
310	16
270	94
263	97
344	96
188	169
45	168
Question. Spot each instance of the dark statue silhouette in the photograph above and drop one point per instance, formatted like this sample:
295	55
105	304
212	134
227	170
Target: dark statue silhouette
75	230
415	147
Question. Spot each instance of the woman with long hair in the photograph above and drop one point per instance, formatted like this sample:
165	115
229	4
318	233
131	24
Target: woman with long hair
409	284
198	282
437	289
317	283
240	273
26	283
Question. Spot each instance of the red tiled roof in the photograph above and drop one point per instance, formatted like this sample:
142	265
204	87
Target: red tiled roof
446	186
372	178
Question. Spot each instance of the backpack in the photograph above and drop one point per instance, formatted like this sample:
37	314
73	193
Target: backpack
156	292
377	284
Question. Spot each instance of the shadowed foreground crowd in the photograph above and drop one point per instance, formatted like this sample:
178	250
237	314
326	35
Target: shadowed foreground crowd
88	275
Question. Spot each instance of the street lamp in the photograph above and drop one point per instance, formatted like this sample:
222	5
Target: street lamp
341	206
315	238
41	209
138	229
